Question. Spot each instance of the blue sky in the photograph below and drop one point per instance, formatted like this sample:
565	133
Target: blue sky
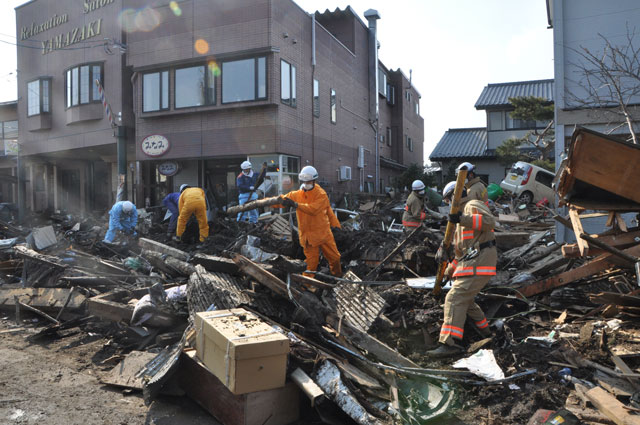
454	47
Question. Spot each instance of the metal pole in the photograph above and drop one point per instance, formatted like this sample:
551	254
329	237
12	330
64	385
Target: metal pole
122	162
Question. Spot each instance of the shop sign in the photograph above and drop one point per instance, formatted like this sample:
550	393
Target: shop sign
155	145
169	168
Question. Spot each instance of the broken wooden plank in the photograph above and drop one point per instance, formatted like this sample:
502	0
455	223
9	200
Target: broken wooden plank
611	407
214	263
110	306
252	205
29	254
594	266
125	373
374	272
629	258
261	275
583	246
615	298
621	223
305	280
162	248
370	344
36	311
47	299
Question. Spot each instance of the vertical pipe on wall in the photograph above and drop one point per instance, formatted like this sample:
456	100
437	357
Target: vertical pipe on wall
372	16
313	77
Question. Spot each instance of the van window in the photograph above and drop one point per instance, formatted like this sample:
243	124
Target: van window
544	178
520	169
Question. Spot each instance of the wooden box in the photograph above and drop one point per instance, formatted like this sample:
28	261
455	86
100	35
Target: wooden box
278	406
243	352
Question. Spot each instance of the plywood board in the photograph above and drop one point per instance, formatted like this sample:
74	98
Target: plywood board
124	374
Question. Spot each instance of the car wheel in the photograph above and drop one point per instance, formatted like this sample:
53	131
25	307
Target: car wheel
526	197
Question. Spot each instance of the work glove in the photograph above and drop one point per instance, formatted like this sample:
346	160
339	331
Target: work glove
455	218
442	255
287	202
251	188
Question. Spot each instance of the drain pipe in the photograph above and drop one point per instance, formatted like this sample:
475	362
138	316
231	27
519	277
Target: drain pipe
313	78
372	16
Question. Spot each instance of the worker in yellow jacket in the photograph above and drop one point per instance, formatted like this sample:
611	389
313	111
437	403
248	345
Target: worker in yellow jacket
315	220
474	265
474	185
192	201
414	212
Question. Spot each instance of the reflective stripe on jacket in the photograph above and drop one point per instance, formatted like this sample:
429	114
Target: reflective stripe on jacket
475	228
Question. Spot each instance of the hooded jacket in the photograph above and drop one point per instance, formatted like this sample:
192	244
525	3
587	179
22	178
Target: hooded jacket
315	216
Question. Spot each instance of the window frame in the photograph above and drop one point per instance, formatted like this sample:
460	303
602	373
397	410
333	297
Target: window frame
408	142
41	92
333	106
69	71
389	136
293	95
160	88
255	76
205	88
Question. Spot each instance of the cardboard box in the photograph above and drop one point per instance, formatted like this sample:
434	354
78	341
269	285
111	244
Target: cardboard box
279	406
243	352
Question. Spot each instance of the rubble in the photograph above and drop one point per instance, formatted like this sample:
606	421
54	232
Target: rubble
564	317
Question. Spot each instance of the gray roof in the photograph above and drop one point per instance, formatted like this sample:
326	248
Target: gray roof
461	143
499	94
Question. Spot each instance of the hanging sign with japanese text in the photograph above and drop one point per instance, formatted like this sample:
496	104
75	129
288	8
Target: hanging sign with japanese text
168	168
155	145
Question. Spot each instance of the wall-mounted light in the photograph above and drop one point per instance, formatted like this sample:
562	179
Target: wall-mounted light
285	35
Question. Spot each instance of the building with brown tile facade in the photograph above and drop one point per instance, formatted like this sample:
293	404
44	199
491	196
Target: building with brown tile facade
202	85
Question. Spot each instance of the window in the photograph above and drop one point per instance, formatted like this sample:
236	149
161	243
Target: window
382	82
316	98
409	143
189	87
408	96
155	91
515	124
495	120
288	83
389	142
334	111
244	80
80	84
545	178
38	96
417	108
391	94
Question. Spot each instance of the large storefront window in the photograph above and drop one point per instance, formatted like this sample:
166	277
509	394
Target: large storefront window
80	86
155	91
38	96
244	80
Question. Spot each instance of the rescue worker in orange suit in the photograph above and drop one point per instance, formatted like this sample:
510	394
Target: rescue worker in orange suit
315	220
472	267
414	212
475	187
192	201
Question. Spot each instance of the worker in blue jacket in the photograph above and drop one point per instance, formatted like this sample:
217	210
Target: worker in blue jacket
171	202
246	183
123	217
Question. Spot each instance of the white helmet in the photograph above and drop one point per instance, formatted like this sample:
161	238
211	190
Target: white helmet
417	185
448	189
183	187
127	207
466	165
308	174
246	165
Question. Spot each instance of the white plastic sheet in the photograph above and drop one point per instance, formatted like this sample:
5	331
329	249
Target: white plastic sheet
483	364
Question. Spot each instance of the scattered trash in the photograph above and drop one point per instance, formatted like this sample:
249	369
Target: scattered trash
482	363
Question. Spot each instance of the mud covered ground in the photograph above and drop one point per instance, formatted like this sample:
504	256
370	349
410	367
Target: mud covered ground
58	383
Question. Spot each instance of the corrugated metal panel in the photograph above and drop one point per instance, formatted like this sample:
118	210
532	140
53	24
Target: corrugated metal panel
461	143
499	94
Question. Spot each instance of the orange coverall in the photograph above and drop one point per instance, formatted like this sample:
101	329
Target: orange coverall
192	202
315	220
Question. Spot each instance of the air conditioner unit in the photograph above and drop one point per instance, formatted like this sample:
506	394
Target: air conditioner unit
345	173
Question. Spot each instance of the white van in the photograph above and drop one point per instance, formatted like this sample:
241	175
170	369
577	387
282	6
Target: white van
529	182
